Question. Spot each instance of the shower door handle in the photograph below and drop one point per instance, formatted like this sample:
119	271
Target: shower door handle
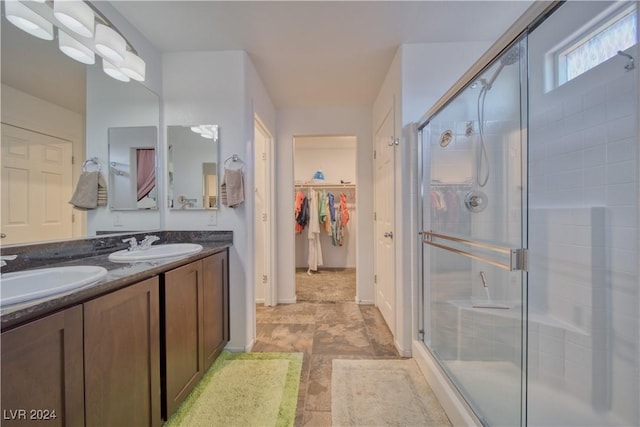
517	256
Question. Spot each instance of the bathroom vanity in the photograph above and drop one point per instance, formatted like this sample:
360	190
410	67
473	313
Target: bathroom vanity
126	351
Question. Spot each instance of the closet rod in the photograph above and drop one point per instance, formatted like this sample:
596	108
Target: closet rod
346	186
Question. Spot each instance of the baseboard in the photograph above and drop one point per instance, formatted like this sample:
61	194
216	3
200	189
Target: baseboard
259	300
364	301
401	351
246	349
457	410
287	301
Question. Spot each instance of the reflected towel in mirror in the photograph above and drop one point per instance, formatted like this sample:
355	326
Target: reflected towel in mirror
91	191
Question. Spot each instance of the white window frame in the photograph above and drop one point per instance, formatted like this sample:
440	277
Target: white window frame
605	20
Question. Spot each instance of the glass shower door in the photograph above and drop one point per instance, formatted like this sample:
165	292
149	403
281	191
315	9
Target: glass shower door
474	232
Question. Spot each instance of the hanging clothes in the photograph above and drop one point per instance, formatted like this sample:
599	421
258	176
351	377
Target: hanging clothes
315	249
301	212
327	218
344	211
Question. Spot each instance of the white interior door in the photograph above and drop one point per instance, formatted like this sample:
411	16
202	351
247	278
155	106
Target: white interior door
263	221
36	186
384	220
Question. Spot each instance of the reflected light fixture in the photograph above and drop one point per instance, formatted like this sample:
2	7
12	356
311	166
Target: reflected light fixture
110	44
206	131
76	15
74	49
133	67
83	32
27	20
113	71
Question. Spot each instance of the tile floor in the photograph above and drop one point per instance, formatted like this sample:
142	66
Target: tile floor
323	331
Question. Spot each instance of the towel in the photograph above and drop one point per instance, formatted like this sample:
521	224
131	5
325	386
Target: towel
90	191
232	191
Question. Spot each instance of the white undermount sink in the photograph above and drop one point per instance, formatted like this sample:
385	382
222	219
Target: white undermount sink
156	252
27	285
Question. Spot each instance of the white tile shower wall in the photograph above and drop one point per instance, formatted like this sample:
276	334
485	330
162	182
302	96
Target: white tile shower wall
583	153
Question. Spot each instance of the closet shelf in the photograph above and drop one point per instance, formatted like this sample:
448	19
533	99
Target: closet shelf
326	186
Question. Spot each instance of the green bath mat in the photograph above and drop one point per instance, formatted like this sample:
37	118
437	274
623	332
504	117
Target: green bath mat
244	389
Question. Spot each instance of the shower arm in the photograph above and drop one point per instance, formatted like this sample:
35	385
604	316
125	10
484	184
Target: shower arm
489	84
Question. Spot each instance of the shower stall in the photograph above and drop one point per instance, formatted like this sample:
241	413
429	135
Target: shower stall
530	296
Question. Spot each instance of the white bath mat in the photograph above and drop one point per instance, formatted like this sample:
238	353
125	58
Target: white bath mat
382	393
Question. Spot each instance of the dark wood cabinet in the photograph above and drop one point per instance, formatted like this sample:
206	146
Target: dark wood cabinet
42	382
216	306
183	333
127	358
195	306
122	357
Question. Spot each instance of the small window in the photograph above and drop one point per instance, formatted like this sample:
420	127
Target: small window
601	42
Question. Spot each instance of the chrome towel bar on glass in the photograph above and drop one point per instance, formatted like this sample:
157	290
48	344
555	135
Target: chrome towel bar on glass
517	256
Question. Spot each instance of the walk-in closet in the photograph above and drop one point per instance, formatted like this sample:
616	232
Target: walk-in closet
324	217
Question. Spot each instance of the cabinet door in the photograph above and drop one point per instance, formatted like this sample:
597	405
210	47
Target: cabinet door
42	382
216	306
183	332
122	357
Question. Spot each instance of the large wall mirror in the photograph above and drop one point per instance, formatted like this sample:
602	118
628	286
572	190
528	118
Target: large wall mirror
132	168
65	109
193	167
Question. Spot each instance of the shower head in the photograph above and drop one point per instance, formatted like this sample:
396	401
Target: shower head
509	58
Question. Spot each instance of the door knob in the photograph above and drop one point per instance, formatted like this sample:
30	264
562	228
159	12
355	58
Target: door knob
389	234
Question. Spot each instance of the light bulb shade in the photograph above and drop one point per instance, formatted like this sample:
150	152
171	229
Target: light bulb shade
76	15
196	129
113	71
110	44
27	20
74	49
133	66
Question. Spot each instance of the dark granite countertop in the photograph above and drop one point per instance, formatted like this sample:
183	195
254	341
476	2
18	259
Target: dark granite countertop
95	252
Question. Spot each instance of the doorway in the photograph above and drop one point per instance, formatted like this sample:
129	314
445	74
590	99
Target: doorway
266	291
325	219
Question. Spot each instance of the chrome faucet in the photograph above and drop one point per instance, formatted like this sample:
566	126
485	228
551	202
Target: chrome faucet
133	243
5	258
148	241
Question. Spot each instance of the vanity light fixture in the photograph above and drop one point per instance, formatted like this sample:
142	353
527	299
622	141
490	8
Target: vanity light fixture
39	17
27	20
76	15
74	49
110	44
113	71
133	67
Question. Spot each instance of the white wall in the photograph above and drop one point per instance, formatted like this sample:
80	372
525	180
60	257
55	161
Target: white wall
324	121
417	78
222	88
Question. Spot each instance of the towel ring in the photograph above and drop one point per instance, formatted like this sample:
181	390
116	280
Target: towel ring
233	159
94	161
